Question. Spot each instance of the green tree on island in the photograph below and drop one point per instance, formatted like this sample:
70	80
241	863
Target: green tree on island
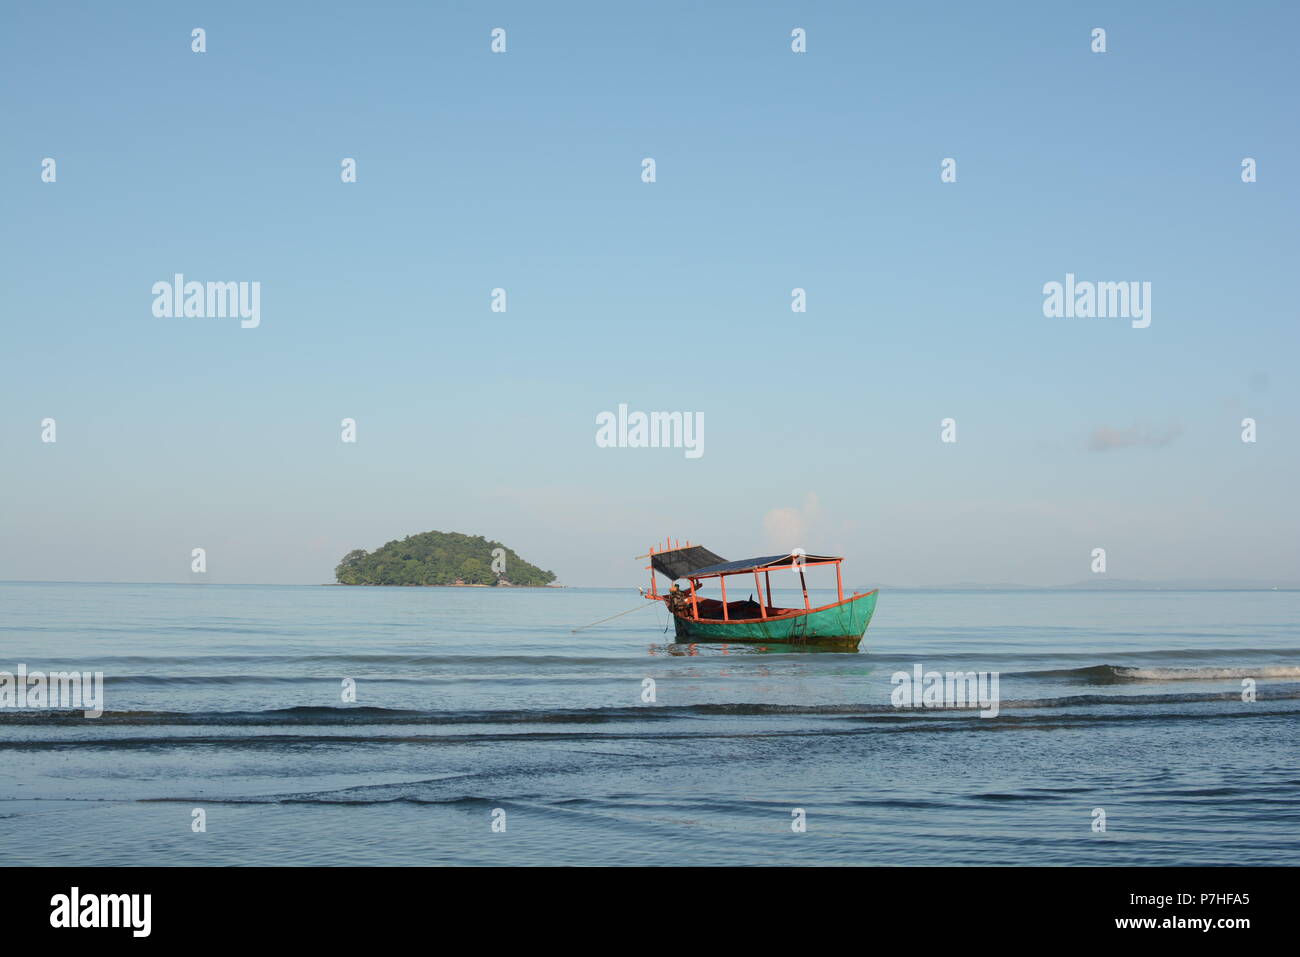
438	558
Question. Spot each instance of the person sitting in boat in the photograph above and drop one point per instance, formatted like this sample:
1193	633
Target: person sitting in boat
679	600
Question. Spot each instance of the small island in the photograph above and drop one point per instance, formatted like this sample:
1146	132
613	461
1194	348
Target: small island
441	558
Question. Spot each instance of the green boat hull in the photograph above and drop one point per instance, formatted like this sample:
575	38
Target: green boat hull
841	624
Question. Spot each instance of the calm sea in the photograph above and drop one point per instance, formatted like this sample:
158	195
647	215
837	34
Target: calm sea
475	705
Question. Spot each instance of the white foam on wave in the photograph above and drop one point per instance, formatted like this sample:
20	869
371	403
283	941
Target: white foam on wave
1208	673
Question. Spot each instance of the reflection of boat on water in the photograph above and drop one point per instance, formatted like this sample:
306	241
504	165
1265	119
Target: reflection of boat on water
841	623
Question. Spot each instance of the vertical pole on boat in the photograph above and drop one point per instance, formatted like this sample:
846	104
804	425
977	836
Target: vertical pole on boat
762	605
839	580
695	602
767	577
654	593
804	585
722	580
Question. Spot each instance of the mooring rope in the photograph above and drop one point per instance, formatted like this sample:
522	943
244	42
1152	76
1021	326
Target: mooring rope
644	604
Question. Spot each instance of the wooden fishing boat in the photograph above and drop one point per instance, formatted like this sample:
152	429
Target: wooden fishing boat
696	618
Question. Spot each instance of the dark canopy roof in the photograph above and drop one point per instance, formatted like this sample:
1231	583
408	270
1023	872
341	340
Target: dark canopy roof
752	564
682	562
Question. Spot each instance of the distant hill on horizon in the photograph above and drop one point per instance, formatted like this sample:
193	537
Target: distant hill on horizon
440	558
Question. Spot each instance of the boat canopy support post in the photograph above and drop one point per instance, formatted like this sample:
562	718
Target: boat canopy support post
762	605
839	580
804	584
722	580
695	602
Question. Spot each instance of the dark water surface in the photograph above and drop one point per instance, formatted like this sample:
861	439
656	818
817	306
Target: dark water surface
228	698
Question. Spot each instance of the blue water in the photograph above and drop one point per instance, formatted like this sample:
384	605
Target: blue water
228	699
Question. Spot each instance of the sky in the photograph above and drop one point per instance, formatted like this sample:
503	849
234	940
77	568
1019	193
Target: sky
774	170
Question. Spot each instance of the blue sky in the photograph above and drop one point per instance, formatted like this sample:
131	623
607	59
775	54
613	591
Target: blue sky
775	170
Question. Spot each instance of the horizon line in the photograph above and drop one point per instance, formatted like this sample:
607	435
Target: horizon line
1120	584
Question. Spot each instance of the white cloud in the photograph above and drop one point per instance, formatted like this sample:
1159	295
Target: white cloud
788	528
1104	438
